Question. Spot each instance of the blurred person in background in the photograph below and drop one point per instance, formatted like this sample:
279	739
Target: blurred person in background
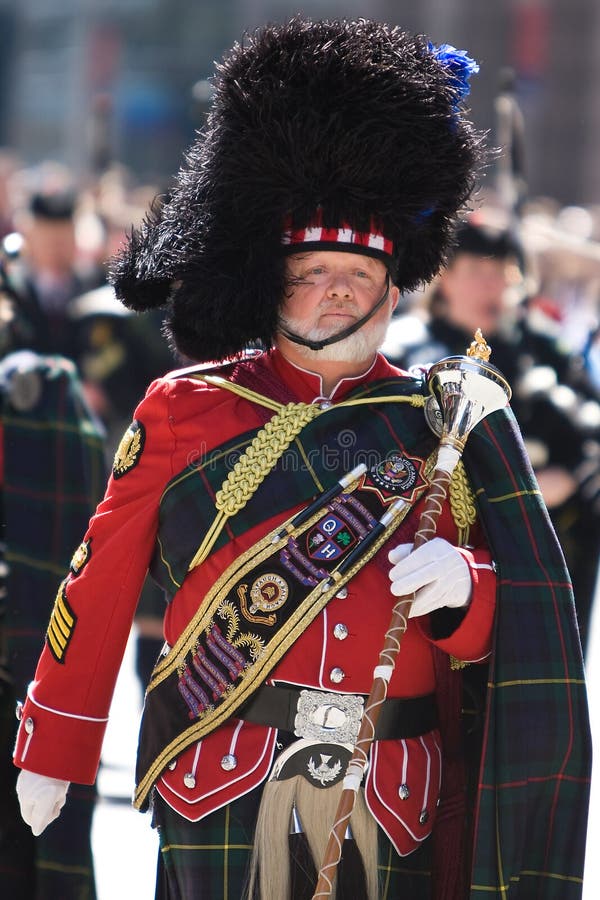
118	352
557	409
566	254
51	473
565	249
67	238
52	274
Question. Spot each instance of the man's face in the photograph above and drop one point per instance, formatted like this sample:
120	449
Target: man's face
50	246
329	291
475	291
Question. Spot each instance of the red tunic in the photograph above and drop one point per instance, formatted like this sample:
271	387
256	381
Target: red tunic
65	714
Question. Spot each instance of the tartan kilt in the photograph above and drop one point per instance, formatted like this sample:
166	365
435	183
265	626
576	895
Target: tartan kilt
210	859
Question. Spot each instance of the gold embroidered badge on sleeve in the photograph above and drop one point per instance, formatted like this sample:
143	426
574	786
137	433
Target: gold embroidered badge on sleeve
129	450
61	626
81	557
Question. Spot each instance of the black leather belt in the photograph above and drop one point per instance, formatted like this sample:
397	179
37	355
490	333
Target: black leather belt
279	707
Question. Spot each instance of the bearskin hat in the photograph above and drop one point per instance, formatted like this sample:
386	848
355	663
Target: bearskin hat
355	119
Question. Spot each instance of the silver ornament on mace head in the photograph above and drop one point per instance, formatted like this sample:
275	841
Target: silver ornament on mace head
464	390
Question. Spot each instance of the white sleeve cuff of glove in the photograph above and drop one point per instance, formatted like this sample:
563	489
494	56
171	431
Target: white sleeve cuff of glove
41	799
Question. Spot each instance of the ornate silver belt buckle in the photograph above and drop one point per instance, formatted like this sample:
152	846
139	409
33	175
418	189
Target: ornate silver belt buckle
333	718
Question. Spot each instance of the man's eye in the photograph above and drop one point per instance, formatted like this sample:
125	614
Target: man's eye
362	274
316	270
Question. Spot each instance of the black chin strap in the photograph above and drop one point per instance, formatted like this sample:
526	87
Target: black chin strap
318	345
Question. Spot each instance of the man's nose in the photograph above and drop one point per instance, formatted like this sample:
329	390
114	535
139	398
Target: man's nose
339	287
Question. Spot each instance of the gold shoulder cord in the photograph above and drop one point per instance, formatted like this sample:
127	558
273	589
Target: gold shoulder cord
253	466
264	451
462	503
464	513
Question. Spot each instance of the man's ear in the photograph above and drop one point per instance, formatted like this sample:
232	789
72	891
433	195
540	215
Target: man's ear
395	296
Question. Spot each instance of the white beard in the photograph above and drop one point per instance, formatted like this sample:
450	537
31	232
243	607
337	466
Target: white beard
358	347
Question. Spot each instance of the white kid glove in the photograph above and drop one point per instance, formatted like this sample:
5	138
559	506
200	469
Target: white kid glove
436	573
41	799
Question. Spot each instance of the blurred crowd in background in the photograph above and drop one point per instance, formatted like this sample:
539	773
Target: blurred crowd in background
57	238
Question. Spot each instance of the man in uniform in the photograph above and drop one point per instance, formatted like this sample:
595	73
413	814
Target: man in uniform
259	491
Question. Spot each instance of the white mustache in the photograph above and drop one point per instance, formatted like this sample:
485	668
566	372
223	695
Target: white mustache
327	307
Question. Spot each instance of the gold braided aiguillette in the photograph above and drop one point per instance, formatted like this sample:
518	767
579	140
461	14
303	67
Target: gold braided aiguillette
253	466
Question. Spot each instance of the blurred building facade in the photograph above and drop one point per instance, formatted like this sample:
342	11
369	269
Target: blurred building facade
88	81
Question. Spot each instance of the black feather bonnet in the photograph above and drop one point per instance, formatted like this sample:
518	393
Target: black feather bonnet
358	120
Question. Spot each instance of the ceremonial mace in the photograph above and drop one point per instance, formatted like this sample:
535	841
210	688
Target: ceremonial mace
463	391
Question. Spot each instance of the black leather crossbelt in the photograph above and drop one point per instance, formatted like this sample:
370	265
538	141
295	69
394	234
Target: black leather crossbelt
278	707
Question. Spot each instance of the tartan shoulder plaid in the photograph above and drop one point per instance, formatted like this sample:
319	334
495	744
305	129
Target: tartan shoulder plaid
531	812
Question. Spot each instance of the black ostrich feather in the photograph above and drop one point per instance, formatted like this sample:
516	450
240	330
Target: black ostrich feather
357	118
